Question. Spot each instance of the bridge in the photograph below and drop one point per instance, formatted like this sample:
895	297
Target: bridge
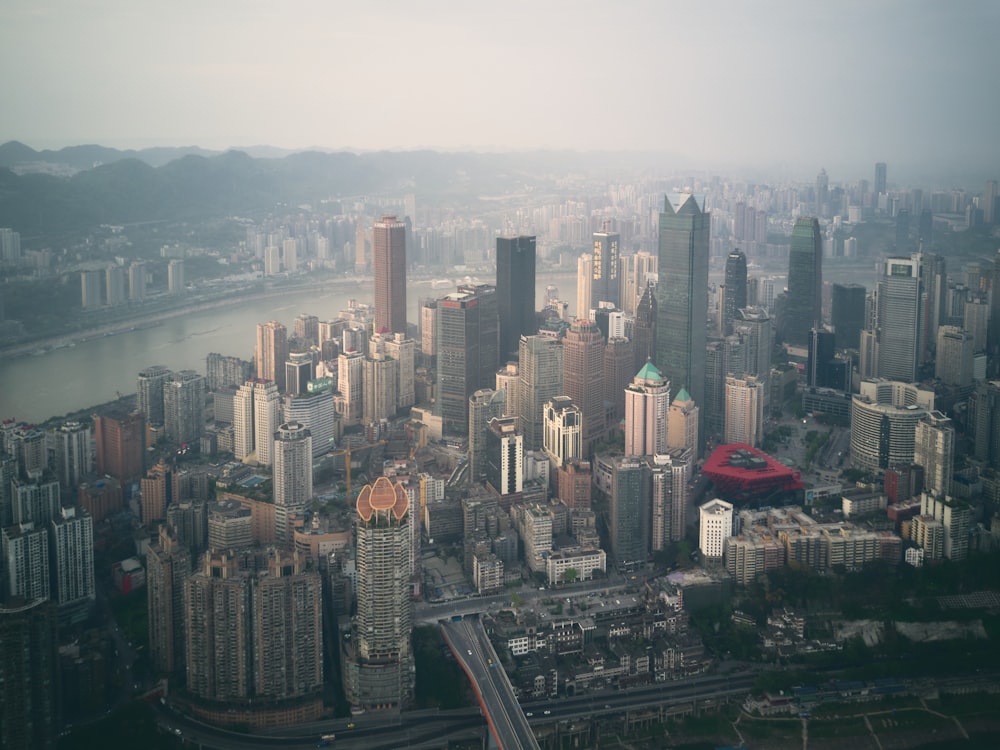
467	639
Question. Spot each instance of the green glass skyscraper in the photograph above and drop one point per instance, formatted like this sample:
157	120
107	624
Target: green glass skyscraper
682	293
803	309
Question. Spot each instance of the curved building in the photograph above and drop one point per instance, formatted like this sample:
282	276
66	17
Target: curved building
884	418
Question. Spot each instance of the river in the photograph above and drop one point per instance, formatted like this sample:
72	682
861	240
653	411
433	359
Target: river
35	388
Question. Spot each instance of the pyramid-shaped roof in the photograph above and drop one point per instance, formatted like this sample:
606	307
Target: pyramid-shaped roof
649	372
683	395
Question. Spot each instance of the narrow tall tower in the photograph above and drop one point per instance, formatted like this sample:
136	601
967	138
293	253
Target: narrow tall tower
605	266
803	308
272	352
647	401
515	292
389	263
583	367
735	296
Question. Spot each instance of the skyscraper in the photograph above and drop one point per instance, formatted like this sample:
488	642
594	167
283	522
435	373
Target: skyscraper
175	276
934	449
29	675
541	377
899	320
880	185
389	265
71	455
120	444
266	413
484	405
71	548
647	402
293	478
350	386
744	410
168	564
803	307
584	285
583	366
378	664
515	292
682	292
504	456
629	511
149	392
468	347
682	427
563	431
848	314
271	352
735	296
381	390
644	329
605	266
184	406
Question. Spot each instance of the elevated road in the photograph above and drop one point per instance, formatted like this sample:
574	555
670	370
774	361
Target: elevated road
509	726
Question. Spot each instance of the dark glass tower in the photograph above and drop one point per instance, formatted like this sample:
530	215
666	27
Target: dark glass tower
803	308
605	285
682	293
848	314
515	292
736	288
644	336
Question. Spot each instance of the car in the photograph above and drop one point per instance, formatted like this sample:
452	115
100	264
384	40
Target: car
351	725
177	732
529	714
546	712
470	652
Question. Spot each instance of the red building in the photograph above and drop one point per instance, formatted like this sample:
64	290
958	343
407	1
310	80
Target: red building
742	474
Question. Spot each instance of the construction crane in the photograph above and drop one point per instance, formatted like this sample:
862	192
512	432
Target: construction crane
346	453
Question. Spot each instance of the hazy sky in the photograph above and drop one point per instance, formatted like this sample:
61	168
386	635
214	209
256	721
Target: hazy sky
761	82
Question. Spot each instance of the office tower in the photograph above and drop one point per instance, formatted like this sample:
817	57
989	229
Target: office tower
640	273
934	449
378	663
899	319
150	392
716	369
184	406
584	285
644	329
515	292
157	490
26	561
484	405
715	526
803	308
71	453
266	417
137	281
168	564
735	296
403	350
468	349
744	410
71	550
821	351
884	417
682	424
822	194
244	437
984	422
754	327
350	387
647	402
508	379
316	412
114	281
955	349
271	352
293	478
389	266
504	456
629	511
120	443
583	366
617	373
175	276
682	292
562	438
428	332
29	675
222	371
541	377
605	266
880	184
299	370
90	289
848	314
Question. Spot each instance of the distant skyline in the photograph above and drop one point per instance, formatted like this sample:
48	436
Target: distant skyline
765	85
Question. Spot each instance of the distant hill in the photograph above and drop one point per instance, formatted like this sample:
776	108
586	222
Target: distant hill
21	158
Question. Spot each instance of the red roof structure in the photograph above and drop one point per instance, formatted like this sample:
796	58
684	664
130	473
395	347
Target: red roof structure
743	474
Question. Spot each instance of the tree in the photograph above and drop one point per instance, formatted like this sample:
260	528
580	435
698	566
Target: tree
570	575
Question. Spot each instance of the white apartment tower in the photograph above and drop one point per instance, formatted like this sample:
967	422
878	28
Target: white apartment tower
715	527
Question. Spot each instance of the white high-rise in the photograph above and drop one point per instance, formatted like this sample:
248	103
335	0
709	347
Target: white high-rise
744	410
72	555
266	417
647	404
293	479
715	527
243	432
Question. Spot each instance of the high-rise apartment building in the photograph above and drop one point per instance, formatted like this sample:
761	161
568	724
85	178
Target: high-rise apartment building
562	438
35	500
515	292
715	526
617	372
90	289
350	386
735	295
29	675
175	276
149	392
682	424
315	411
403	350
389	266
934	449
504	456
244	437
71	453
293	478
804	303
26	561
222	371
137	281
266	417
540	367
647	402
120	443
583	368
468	349
744	410
114	285
380	391
157	490
884	418
669	475
682	292
168	564
184	406
484	405
271	352
378	660
606	247
954	360
71	549
984	422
